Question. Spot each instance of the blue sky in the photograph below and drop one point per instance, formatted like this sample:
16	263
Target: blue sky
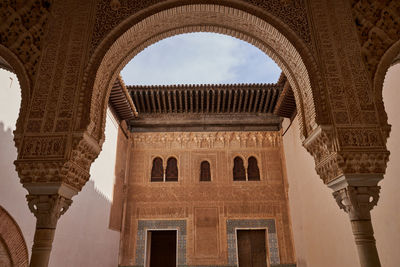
200	58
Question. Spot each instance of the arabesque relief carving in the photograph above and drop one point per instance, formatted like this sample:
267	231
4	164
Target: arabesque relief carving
110	13
52	147
336	155
22	29
206	140
378	27
71	167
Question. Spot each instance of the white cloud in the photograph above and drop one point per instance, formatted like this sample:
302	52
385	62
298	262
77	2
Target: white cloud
200	58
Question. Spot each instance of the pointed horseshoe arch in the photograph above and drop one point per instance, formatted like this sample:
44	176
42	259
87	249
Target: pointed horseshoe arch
378	80
122	45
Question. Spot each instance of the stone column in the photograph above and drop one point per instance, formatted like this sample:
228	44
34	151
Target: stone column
47	203
357	195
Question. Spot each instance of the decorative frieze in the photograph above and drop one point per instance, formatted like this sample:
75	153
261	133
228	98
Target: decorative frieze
206	140
45	147
360	137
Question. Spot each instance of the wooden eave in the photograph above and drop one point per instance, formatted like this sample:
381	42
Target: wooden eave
120	102
206	99
286	104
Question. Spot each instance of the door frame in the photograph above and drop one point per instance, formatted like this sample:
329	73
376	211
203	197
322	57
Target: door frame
266	242
147	242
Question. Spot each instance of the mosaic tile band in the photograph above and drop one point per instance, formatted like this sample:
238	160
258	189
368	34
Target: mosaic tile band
144	225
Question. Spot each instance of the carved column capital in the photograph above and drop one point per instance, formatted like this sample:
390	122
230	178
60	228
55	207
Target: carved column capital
357	201
356	195
48	209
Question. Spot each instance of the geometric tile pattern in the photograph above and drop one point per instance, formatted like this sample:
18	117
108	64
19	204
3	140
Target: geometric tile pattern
269	224
144	225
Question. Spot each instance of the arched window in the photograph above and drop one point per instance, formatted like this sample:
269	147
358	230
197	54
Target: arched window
172	170
239	173
157	171
205	173
253	173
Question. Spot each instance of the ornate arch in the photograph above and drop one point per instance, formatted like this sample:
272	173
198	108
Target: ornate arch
379	78
11	236
24	82
122	45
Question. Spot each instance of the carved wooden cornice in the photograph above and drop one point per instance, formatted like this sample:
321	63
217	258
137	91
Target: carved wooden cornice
207	98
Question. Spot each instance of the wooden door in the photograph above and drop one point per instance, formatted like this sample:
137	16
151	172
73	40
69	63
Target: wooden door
251	248
162	249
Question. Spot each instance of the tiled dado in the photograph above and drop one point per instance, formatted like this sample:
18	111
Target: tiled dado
144	225
232	226
269	224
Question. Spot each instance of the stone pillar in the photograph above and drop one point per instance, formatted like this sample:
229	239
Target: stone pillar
47	203
357	195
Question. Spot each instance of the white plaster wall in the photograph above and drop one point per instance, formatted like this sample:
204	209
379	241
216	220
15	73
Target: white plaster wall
386	216
82	237
322	232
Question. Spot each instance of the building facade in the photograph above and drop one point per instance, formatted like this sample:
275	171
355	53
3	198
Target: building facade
203	164
207	186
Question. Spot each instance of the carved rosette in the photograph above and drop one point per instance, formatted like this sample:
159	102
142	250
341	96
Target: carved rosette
357	201
48	209
352	152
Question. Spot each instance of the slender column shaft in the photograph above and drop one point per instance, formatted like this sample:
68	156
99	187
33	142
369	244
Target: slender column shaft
357	196
365	241
47	210
41	248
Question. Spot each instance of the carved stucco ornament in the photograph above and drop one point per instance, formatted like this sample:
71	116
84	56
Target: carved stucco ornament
336	156
48	208
71	166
